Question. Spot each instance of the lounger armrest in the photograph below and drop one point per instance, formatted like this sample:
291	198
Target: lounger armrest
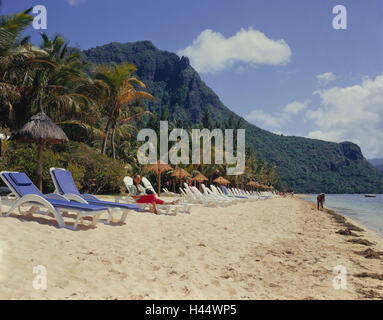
56	196
75	197
87	196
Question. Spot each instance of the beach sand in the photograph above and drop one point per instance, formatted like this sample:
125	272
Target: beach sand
280	248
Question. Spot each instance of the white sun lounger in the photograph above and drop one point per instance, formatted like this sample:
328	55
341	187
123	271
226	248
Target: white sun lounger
219	193
217	197
166	209
198	197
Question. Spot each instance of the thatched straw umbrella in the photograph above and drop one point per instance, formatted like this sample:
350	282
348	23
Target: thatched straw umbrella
257	185
159	167
251	184
200	178
40	129
221	180
180	173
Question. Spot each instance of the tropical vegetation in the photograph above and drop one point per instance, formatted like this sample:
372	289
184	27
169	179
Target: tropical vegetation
100	107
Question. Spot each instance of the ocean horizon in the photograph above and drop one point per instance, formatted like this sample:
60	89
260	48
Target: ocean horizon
366	211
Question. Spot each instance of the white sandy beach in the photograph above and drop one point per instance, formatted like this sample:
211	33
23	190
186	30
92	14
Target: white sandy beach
270	249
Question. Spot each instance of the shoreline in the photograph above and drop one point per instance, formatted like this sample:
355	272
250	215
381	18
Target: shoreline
351	229
343	214
279	248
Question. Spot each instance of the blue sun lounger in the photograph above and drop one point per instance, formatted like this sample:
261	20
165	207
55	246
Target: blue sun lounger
65	186
28	194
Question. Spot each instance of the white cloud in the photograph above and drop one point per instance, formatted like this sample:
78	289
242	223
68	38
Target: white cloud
353	113
212	52
262	118
296	107
75	2
277	119
325	78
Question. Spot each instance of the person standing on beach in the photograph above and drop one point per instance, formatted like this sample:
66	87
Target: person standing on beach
320	200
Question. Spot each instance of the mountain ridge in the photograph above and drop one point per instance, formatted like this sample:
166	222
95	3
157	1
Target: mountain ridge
305	165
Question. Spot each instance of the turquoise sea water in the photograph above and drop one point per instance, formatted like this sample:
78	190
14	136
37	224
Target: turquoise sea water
367	211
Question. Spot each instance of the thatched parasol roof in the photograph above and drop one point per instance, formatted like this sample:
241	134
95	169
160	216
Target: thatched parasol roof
180	173
40	129
200	178
221	180
158	167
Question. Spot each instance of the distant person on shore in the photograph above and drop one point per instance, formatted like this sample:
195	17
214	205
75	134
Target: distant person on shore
320	200
143	195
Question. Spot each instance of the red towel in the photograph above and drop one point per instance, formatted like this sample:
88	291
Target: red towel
149	198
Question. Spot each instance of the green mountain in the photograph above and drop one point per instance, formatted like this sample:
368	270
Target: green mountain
305	165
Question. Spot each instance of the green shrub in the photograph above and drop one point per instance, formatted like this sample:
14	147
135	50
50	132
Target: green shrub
92	172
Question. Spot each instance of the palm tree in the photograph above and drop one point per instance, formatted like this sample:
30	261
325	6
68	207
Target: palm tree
59	81
120	93
12	52
48	76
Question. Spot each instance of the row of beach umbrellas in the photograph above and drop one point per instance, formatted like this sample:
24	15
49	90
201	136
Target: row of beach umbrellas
159	167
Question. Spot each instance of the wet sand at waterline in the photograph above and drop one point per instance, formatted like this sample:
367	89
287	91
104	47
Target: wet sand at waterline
280	248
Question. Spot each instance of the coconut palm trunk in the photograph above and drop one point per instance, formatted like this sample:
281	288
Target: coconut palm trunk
112	140
40	147
107	128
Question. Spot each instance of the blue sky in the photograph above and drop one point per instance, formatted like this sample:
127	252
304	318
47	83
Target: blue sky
280	64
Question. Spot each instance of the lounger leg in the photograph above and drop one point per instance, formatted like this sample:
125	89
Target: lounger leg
95	219
110	216
124	215
17	206
187	208
77	220
183	208
59	219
